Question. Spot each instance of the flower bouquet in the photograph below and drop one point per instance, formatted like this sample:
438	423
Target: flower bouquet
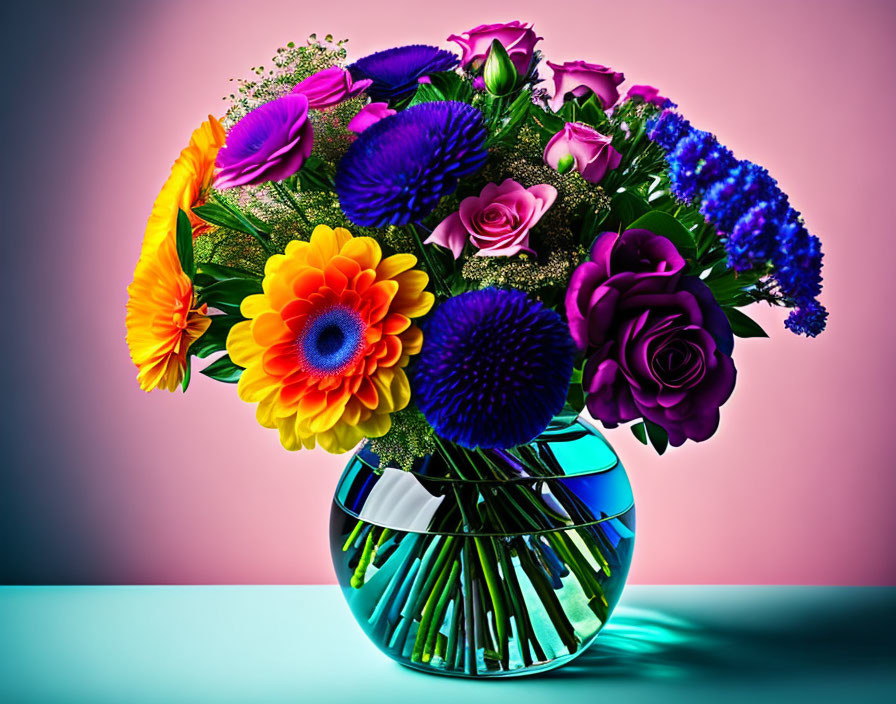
448	256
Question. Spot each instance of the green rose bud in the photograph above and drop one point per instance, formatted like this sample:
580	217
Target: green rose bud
565	163
499	73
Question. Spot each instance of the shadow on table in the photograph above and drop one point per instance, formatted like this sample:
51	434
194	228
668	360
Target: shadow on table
801	637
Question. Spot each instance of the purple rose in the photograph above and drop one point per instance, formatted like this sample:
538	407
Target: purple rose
517	38
369	115
657	345
581	78
646	94
269	144
329	87
592	153
497	221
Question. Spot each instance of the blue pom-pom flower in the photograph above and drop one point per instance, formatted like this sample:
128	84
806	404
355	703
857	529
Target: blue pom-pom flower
697	162
728	199
396	72
667	129
399	168
494	369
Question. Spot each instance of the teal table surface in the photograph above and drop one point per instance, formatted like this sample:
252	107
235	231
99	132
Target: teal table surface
300	644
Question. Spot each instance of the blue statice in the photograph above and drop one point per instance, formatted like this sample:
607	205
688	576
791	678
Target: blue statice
808	319
398	169
797	260
728	199
494	368
667	128
753	237
697	162
396	72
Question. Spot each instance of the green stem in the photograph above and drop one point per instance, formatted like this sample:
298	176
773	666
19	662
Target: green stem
438	283
244	221
494	589
289	199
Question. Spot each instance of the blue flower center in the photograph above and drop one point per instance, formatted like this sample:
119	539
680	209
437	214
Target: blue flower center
331	341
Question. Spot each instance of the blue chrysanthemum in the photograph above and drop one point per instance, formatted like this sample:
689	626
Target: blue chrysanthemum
399	168
808	319
395	72
697	162
728	199
667	129
752	237
494	369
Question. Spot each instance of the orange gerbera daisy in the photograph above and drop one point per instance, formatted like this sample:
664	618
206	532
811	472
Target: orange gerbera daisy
187	185
162	320
326	344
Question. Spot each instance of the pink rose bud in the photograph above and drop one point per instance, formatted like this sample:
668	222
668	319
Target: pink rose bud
497	221
368	115
518	40
329	87
581	78
591	152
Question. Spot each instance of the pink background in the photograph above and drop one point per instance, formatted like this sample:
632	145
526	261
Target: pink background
797	487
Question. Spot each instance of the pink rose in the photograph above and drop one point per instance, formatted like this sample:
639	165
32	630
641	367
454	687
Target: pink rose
592	153
368	115
580	78
517	38
497	222
329	87
647	94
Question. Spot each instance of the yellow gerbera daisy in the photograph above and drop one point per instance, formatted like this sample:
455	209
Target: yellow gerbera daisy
162	320
326	344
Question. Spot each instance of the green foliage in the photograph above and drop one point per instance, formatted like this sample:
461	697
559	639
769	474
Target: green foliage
223	369
215	338
184	244
647	431
663	224
742	325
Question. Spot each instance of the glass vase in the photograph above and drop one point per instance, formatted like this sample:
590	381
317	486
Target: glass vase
486	563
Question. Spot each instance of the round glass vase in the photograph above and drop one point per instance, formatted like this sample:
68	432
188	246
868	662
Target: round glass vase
486	563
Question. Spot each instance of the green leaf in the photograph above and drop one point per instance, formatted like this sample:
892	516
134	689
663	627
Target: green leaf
223	369
660	223
426	93
575	396
742	325
221	272
185	244
626	208
215	337
188	371
658	437
452	86
640	432
214	214
516	113
230	291
548	123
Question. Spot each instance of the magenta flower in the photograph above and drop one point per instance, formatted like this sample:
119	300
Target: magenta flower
517	38
647	94
581	78
592	153
269	144
329	87
656	343
369	115
497	221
